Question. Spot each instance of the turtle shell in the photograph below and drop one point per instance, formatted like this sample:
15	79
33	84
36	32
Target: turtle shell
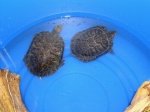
44	55
89	44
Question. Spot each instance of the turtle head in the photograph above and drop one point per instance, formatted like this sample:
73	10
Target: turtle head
111	34
57	29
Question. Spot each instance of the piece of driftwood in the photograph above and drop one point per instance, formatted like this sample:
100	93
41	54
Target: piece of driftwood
10	98
141	100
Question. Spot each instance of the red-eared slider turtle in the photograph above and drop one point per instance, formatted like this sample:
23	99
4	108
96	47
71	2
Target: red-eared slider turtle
89	44
44	55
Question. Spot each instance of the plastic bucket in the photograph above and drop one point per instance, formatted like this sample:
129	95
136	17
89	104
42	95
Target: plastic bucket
97	86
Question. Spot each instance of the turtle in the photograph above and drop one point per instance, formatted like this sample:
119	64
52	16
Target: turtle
92	43
45	53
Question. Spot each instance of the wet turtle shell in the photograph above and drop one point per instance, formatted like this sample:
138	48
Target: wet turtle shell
44	55
89	44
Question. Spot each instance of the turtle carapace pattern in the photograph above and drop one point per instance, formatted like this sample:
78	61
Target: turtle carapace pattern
45	53
89	44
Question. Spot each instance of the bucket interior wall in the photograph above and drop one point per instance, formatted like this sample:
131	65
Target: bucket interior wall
96	86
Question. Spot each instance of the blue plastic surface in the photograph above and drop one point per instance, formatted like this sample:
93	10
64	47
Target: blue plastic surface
97	86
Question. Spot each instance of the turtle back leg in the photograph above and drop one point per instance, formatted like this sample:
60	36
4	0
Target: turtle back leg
62	63
112	51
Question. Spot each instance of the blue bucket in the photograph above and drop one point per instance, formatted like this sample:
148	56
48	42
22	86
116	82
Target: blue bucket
96	86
